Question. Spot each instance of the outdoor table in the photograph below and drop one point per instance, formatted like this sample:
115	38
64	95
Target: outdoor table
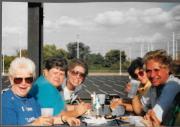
109	122
102	112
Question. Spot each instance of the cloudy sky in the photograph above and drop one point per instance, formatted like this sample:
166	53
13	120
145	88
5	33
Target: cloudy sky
135	27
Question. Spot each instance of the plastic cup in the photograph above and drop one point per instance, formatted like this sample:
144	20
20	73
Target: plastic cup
101	98
47	111
134	87
118	111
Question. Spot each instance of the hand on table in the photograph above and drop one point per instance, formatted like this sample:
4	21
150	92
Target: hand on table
82	108
72	121
115	102
43	121
151	116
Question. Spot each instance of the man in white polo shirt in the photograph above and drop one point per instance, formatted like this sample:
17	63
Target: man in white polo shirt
165	87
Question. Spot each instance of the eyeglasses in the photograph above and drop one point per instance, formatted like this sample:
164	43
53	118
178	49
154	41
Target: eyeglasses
19	80
75	73
140	73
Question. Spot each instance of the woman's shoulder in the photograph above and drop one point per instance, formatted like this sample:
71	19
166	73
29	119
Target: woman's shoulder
8	98
42	82
144	90
6	93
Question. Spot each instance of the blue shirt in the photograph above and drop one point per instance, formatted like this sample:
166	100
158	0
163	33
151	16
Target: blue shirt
166	99
18	110
47	95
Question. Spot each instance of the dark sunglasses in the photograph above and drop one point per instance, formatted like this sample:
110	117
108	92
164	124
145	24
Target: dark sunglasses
140	73
19	80
75	73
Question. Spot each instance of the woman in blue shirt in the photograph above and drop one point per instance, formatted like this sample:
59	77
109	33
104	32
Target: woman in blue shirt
18	108
46	90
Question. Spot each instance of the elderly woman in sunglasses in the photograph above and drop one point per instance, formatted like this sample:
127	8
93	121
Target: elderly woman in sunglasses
18	107
137	72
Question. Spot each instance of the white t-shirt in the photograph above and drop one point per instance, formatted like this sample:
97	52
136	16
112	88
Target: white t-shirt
69	94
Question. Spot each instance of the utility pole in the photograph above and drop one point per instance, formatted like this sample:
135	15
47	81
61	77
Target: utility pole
173	46
168	48
130	54
148	45
20	54
176	50
152	48
3	63
142	49
77	46
120	61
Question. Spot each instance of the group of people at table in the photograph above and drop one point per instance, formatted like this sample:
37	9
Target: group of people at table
61	81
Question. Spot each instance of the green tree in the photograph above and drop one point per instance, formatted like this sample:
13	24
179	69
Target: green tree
83	50
112	58
51	50
24	53
7	61
95	58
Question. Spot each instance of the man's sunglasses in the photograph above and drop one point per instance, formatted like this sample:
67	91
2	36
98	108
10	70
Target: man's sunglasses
75	73
18	80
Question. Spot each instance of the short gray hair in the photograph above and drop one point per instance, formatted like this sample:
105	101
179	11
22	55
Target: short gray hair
161	56
21	63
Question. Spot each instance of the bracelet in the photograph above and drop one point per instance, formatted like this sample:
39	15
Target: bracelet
62	119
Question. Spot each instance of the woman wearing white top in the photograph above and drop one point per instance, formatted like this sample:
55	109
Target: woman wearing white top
75	76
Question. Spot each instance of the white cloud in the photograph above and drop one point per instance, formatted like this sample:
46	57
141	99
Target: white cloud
137	17
156	37
133	23
175	12
132	15
63	21
153	38
110	18
50	25
68	21
150	16
155	15
175	22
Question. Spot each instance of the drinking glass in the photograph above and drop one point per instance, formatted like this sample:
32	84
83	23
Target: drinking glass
134	87
102	98
47	111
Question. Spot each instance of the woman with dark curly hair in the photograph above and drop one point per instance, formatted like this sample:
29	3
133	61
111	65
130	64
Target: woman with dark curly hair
137	72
